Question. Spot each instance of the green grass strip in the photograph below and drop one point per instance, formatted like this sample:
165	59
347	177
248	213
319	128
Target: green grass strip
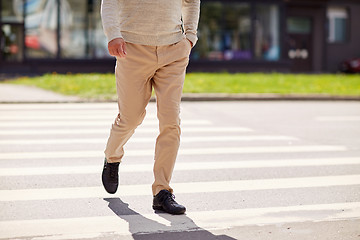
102	86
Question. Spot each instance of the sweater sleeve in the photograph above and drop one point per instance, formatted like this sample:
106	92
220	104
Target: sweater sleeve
190	16
111	19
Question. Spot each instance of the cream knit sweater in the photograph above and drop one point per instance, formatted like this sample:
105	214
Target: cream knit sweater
150	22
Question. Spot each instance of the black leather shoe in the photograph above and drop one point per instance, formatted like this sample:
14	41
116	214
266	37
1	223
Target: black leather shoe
165	201
110	176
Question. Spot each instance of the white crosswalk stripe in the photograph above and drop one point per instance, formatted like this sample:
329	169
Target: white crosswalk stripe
191	151
191	166
338	118
92	227
43	131
193	187
50	129
147	140
85	123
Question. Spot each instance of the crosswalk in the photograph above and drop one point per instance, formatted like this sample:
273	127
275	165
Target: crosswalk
227	175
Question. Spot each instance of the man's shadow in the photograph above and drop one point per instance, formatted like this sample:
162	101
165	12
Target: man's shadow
181	227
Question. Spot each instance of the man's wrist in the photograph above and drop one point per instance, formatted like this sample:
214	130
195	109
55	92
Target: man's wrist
114	36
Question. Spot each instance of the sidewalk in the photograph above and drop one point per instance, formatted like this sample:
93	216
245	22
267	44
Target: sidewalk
11	93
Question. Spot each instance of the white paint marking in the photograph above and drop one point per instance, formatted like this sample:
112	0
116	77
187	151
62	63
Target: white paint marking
22	117
191	151
59	106
63	115
51	113
88	123
186	139
338	118
183	166
126	225
190	187
17	132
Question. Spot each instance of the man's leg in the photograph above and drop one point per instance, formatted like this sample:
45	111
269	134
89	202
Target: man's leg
134	86
168	85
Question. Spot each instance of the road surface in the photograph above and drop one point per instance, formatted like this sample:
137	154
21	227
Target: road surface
245	170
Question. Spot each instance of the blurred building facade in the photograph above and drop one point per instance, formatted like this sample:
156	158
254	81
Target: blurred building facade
238	36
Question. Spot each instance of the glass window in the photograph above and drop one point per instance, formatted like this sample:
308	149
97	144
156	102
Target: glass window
236	31
338	21
41	28
209	45
12	11
266	44
298	25
224	32
73	37
12	42
97	41
81	33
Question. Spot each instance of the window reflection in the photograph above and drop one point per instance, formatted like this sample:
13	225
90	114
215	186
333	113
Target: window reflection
97	40
209	32
41	28
11	42
236	35
73	28
298	25
224	32
81	34
337	20
267	32
11	11
227	30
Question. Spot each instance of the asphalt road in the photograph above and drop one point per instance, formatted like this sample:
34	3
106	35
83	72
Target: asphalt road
245	170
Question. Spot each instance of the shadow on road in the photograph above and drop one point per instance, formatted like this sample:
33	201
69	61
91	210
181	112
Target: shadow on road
181	227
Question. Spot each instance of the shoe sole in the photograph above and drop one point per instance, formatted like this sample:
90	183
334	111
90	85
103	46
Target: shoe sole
162	209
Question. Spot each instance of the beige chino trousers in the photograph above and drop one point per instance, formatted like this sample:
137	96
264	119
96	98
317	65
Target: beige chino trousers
145	67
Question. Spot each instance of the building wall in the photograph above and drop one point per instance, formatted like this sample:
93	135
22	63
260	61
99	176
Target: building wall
338	52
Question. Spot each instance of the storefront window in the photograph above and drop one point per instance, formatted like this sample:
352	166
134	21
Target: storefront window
224	32
97	39
41	28
12	11
267	32
236	31
11	42
298	25
11	30
73	36
209	45
81	34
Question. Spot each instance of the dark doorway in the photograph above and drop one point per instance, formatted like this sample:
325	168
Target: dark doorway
299	43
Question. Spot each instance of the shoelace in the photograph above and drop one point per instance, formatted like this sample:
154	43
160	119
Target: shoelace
171	198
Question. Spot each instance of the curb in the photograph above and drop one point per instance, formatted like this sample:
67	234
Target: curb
267	97
205	97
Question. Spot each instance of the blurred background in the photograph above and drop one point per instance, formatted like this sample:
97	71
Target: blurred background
39	36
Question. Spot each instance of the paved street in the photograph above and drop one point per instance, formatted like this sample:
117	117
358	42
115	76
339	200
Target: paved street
245	170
